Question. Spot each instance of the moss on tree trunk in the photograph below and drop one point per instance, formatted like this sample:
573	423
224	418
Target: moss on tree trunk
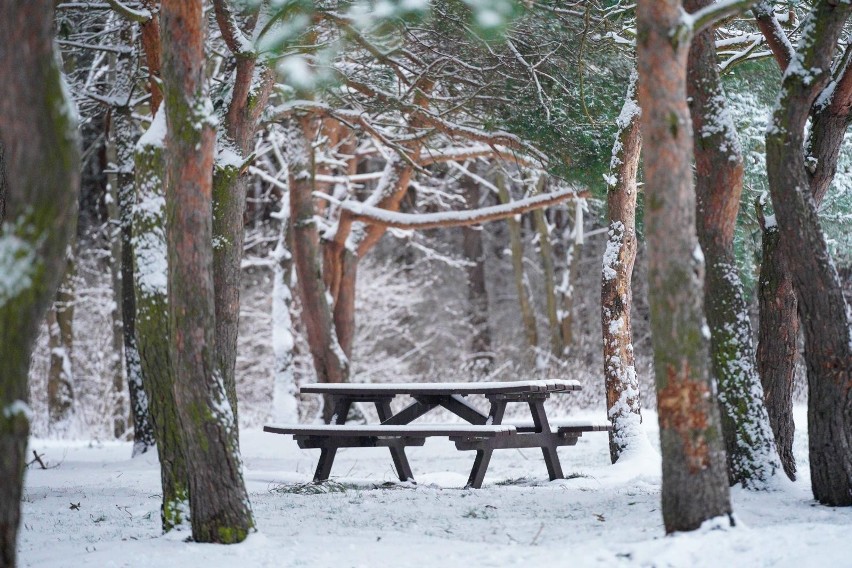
38	134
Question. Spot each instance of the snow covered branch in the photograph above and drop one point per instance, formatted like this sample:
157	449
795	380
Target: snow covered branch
382	217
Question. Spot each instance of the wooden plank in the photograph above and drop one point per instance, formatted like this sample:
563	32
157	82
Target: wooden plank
334	430
585	428
449	388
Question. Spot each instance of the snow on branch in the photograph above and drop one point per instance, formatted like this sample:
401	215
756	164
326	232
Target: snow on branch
382	217
139	16
715	12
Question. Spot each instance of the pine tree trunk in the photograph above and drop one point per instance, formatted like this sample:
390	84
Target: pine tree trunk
557	347
571	253
150	253
219	505
38	134
623	402
749	443
694	474
251	88
122	140
521	283
777	341
116	356
60	378
285	408
481	355
825	314
330	362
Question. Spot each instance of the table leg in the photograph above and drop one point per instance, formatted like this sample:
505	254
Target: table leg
551	458
327	455
483	456
400	462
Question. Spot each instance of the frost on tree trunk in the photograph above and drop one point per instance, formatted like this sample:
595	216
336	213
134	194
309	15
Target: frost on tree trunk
60	339
150	254
749	443
122	137
38	134
695	485
330	362
570	249
284	402
521	282
481	356
218	501
826	320
622	385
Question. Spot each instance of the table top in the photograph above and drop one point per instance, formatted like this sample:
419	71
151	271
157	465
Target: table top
460	388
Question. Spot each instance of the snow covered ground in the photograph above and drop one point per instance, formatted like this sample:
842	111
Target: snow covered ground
603	516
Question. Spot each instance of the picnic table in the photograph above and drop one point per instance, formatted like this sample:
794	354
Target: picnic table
483	433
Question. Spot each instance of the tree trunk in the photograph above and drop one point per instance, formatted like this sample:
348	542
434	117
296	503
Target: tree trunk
623	402
749	443
777	341
116	356
150	253
219	505
285	407
481	355
60	378
330	362
252	85
521	283
38	134
571	254
2	185
694	474
546	250
825	314
122	139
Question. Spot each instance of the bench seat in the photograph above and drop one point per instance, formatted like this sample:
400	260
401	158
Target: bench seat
412	431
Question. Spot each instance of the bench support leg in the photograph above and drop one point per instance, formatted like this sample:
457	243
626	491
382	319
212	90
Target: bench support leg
400	461
327	455
551	458
483	456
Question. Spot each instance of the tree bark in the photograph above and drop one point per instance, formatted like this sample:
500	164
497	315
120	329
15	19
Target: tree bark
694	474
60	379
251	88
285	408
219	505
481	355
122	139
825	314
521	283
330	362
38	134
150	252
749	443
623	402
777	341
571	252
546	250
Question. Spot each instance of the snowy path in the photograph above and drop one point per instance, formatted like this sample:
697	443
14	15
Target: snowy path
605	516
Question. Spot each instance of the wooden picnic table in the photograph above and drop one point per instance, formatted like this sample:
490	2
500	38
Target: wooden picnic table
483	433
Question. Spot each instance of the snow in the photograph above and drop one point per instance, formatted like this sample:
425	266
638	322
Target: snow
604	515
18	262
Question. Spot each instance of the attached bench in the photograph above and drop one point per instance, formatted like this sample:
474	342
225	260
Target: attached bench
485	433
329	438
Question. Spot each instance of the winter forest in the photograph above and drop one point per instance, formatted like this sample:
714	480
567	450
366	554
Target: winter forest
210	207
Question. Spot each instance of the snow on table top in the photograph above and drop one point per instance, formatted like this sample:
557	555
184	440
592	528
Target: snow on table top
507	387
379	430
